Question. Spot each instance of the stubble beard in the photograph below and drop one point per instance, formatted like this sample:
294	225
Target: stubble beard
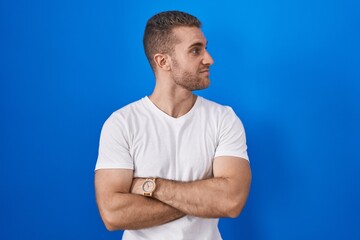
188	80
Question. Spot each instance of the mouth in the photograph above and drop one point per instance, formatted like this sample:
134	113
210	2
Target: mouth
207	70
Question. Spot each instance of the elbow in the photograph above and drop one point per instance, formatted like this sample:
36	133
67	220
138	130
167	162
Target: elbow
235	207
110	226
237	200
233	212
111	223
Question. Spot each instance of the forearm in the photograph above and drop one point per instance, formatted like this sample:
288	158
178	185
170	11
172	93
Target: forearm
224	195
131	211
210	198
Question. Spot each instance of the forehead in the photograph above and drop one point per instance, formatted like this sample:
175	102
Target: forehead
186	36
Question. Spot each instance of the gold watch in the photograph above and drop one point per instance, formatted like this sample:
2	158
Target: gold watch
149	187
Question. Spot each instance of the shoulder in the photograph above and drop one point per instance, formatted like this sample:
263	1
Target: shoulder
215	108
128	110
125	114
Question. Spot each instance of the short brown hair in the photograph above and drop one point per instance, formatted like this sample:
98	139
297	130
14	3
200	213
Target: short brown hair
158	37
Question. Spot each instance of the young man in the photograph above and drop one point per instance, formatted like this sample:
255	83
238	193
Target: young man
171	164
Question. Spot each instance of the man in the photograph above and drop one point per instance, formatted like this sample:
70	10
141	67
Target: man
171	164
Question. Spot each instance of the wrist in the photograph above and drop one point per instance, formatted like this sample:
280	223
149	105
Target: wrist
149	187
143	186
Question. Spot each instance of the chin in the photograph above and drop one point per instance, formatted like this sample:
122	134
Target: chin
202	86
206	84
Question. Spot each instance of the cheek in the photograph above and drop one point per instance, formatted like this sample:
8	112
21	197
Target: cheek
191	66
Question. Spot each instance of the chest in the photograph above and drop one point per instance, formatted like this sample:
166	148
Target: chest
180	152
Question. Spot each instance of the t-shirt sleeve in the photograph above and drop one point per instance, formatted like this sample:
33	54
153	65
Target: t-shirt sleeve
114	150
232	139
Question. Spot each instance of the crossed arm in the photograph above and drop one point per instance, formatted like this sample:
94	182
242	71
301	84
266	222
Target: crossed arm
122	206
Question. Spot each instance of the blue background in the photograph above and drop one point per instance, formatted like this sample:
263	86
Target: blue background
290	69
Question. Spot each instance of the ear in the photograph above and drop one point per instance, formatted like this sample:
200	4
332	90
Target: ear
162	61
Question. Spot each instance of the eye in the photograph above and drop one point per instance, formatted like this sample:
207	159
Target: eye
196	51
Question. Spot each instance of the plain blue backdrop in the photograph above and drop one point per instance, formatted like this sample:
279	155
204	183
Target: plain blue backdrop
290	70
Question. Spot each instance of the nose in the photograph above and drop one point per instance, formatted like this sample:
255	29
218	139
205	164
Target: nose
207	60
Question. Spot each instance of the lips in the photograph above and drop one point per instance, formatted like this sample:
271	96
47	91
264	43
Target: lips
205	70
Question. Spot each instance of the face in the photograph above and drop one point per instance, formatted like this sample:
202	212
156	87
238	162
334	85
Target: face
190	61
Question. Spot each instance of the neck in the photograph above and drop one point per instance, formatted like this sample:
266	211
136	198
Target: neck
174	102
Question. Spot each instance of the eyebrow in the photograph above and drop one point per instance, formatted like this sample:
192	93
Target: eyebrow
197	44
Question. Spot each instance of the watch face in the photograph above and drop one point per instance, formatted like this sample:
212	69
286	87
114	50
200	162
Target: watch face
148	186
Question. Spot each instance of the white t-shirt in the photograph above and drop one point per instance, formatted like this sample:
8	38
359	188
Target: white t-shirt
141	137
